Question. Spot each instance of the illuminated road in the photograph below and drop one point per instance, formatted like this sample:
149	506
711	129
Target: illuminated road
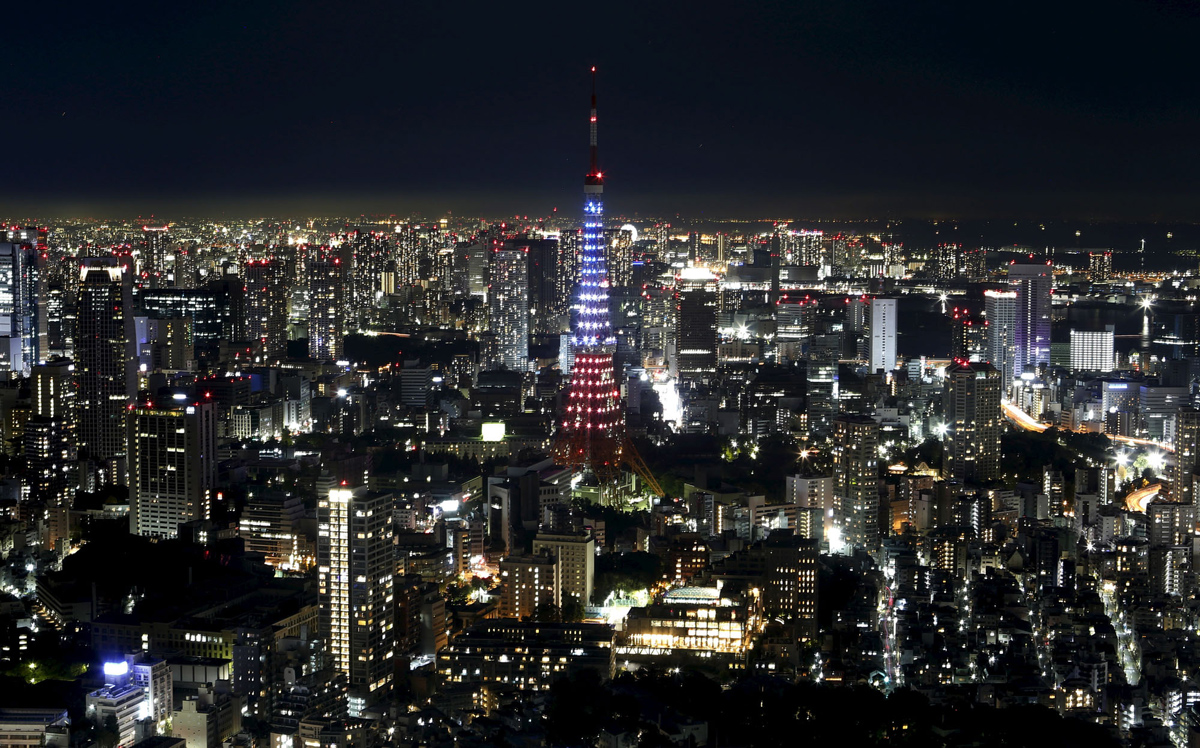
1137	500
1142	442
1022	419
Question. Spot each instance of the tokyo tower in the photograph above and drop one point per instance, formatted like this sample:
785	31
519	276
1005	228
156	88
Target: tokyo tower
591	437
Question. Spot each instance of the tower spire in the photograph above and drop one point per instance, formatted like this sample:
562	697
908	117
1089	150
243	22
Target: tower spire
594	176
591	436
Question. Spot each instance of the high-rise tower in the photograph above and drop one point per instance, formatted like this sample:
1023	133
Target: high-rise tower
105	358
266	306
975	421
592	432
172	466
855	480
356	562
509	307
325	320
1032	279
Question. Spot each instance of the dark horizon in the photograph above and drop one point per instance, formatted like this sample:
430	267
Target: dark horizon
846	110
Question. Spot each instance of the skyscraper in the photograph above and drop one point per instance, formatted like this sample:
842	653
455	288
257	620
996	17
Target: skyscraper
883	335
50	442
968	336
1187	447
105	358
21	305
266	306
325	307
856	479
1000	308
508	301
1032	280
355	566
975	422
154	261
696	333
172	466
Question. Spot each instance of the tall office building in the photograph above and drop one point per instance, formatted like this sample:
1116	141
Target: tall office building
267	293
105	358
546	308
508	301
172	466
154	260
60	323
1032	279
49	443
856	480
968	336
975	422
355	568
325	307
22	308
207	310
884	319
696	334
1187	448
1000	308
821	396
1092	350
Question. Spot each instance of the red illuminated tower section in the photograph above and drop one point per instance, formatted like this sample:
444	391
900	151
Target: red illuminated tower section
591	437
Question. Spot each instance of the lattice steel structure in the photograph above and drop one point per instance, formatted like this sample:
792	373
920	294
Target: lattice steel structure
591	436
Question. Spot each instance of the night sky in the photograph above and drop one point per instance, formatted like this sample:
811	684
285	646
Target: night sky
791	108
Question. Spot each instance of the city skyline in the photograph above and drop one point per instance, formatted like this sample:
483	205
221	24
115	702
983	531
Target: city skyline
590	473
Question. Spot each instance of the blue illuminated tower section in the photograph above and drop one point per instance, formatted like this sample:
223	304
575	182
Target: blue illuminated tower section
592	431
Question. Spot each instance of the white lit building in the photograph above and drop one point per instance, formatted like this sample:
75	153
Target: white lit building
1092	350
1000	309
883	335
508	302
355	566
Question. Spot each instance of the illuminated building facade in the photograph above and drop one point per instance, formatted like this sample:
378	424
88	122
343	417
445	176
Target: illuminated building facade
50	442
576	555
153	270
508	301
526	654
884	318
325	310
22	306
105	358
1187	447
1092	350
704	621
528	582
1000	309
856	481
173	467
266	306
974	420
1100	266
355	568
1032	280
